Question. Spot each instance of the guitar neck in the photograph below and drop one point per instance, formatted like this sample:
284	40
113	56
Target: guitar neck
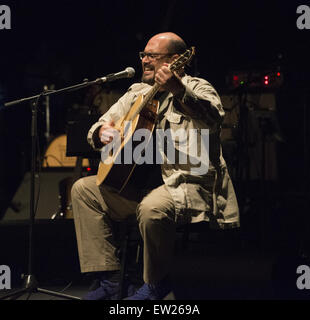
148	97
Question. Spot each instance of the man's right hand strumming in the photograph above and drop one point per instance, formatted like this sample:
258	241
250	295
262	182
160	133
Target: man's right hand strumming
107	132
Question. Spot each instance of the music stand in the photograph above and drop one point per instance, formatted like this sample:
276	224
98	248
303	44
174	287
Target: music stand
30	283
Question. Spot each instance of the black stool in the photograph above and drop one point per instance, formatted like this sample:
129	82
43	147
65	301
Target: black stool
188	229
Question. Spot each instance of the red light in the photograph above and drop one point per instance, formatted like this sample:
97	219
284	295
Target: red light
266	82
278	74
235	78
88	169
266	77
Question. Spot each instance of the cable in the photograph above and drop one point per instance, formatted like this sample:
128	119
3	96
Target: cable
39	178
38	157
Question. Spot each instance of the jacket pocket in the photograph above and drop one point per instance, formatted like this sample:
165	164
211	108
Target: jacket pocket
174	117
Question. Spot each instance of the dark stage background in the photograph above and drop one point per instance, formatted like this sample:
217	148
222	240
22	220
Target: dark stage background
62	42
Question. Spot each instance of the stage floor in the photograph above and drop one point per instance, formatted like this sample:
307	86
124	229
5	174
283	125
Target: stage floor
210	268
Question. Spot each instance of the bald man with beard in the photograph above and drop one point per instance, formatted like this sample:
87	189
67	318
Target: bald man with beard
173	194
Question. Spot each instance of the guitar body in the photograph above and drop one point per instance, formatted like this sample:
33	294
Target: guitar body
118	175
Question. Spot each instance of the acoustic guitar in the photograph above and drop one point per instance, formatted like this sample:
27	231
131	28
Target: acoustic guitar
142	114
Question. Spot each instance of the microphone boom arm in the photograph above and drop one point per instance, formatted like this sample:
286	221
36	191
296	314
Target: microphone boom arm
128	73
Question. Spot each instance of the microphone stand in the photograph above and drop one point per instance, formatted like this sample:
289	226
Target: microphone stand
30	283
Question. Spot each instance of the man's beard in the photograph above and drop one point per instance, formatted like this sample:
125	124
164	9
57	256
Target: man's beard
150	81
147	79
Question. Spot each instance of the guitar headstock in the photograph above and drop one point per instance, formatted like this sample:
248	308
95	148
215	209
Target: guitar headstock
183	59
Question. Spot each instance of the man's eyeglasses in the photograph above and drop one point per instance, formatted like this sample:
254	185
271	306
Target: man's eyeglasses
153	56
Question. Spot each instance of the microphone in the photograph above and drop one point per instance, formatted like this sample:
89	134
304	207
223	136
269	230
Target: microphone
127	73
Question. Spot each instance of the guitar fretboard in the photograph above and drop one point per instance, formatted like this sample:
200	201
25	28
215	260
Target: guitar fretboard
148	97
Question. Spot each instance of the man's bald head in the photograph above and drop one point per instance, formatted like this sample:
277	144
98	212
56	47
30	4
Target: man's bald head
171	41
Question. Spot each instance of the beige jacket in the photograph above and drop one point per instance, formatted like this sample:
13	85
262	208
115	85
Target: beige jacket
203	195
